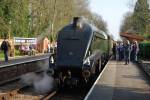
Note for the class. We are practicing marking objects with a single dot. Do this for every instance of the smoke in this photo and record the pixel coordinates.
(44, 65)
(29, 78)
(42, 83)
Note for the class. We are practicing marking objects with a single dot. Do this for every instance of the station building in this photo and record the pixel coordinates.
(132, 36)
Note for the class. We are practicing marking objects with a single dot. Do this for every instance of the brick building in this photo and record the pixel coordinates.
(42, 44)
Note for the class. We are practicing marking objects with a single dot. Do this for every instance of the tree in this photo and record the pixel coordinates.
(14, 17)
(138, 21)
(141, 16)
(126, 23)
(38, 18)
(99, 22)
(48, 16)
(82, 9)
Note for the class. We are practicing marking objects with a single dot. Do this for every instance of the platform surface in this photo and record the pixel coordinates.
(121, 82)
(23, 60)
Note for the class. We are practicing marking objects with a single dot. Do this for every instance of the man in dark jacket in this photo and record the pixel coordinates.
(114, 50)
(5, 47)
(127, 50)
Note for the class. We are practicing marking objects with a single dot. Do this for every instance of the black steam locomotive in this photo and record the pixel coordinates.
(82, 50)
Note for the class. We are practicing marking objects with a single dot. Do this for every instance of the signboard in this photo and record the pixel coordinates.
(19, 40)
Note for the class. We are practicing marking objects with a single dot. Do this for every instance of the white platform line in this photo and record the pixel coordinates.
(87, 96)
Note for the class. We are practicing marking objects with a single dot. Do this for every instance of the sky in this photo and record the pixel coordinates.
(112, 11)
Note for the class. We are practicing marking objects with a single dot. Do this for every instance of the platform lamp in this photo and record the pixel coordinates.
(9, 34)
(9, 31)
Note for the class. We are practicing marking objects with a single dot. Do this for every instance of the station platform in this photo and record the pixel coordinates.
(120, 82)
(23, 59)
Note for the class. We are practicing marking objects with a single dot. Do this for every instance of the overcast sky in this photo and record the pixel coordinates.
(112, 11)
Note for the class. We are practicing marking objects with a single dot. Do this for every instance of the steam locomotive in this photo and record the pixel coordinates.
(82, 51)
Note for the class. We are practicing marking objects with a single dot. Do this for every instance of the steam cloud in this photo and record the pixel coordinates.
(43, 82)
(43, 85)
(29, 78)
(44, 65)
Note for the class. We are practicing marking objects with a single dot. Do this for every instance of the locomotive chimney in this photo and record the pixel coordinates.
(77, 22)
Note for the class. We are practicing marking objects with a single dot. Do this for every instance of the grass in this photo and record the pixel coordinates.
(17, 54)
(1, 55)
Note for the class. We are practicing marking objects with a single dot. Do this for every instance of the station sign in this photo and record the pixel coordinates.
(19, 40)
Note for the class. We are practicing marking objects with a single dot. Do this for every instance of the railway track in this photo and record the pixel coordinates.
(16, 90)
(70, 94)
(11, 86)
(75, 93)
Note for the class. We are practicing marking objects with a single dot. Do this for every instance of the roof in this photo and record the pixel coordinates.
(132, 36)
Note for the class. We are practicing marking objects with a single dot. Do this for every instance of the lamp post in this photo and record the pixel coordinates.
(9, 32)
(9, 38)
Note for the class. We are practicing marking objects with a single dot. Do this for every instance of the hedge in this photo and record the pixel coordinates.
(144, 50)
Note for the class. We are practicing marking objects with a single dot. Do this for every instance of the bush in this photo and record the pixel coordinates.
(144, 50)
(17, 52)
(147, 36)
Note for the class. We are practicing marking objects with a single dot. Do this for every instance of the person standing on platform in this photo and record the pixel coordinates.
(135, 51)
(127, 50)
(120, 50)
(5, 47)
(114, 50)
(0, 51)
(49, 48)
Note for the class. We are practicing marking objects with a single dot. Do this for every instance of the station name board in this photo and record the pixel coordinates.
(19, 40)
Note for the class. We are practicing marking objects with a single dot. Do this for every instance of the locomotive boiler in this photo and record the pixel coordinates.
(82, 51)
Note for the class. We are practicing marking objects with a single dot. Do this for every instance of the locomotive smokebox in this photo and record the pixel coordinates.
(72, 44)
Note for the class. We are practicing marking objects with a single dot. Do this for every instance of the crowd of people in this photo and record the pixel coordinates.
(27, 49)
(51, 48)
(126, 50)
